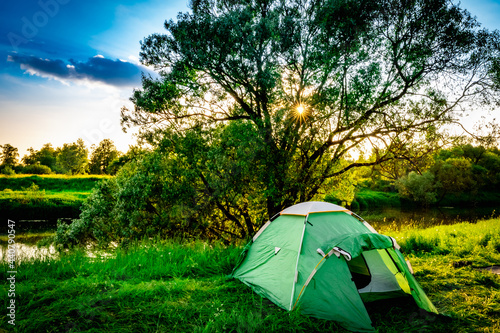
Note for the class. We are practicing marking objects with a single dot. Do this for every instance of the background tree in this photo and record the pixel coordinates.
(490, 162)
(46, 156)
(102, 156)
(72, 158)
(291, 87)
(409, 156)
(8, 158)
(36, 169)
(133, 153)
(454, 175)
(463, 174)
(31, 158)
(9, 155)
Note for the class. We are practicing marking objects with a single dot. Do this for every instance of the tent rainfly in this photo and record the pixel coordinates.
(325, 261)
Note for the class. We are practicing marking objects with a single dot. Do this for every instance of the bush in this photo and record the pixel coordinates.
(37, 169)
(368, 199)
(146, 199)
(7, 170)
(418, 188)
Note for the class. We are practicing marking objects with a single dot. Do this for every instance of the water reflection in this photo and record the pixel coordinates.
(29, 252)
(26, 252)
(424, 218)
(27, 248)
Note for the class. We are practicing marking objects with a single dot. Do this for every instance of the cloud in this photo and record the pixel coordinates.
(96, 69)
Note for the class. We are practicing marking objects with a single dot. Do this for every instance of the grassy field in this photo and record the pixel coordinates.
(166, 286)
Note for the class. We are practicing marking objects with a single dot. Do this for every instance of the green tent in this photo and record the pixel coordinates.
(325, 261)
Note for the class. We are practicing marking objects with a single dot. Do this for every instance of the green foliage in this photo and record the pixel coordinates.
(373, 200)
(96, 219)
(7, 170)
(454, 175)
(462, 175)
(102, 156)
(342, 189)
(418, 188)
(146, 198)
(37, 169)
(412, 156)
(72, 158)
(480, 165)
(8, 156)
(46, 156)
(133, 153)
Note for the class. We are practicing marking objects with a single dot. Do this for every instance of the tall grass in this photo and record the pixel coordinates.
(461, 240)
(179, 286)
(447, 259)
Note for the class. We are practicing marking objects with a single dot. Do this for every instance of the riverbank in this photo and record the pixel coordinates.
(159, 286)
(43, 198)
(54, 183)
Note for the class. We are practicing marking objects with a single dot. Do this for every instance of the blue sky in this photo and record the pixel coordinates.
(68, 66)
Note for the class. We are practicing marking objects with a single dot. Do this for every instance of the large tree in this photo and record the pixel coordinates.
(264, 99)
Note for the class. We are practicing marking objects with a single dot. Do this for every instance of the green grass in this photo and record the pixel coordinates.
(166, 286)
(51, 183)
(50, 195)
(478, 242)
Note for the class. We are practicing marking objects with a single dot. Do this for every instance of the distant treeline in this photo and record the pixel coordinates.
(70, 159)
(463, 175)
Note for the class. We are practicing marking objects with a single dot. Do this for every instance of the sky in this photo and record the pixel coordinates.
(67, 67)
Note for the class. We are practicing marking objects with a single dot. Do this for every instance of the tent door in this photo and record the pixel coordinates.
(360, 272)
